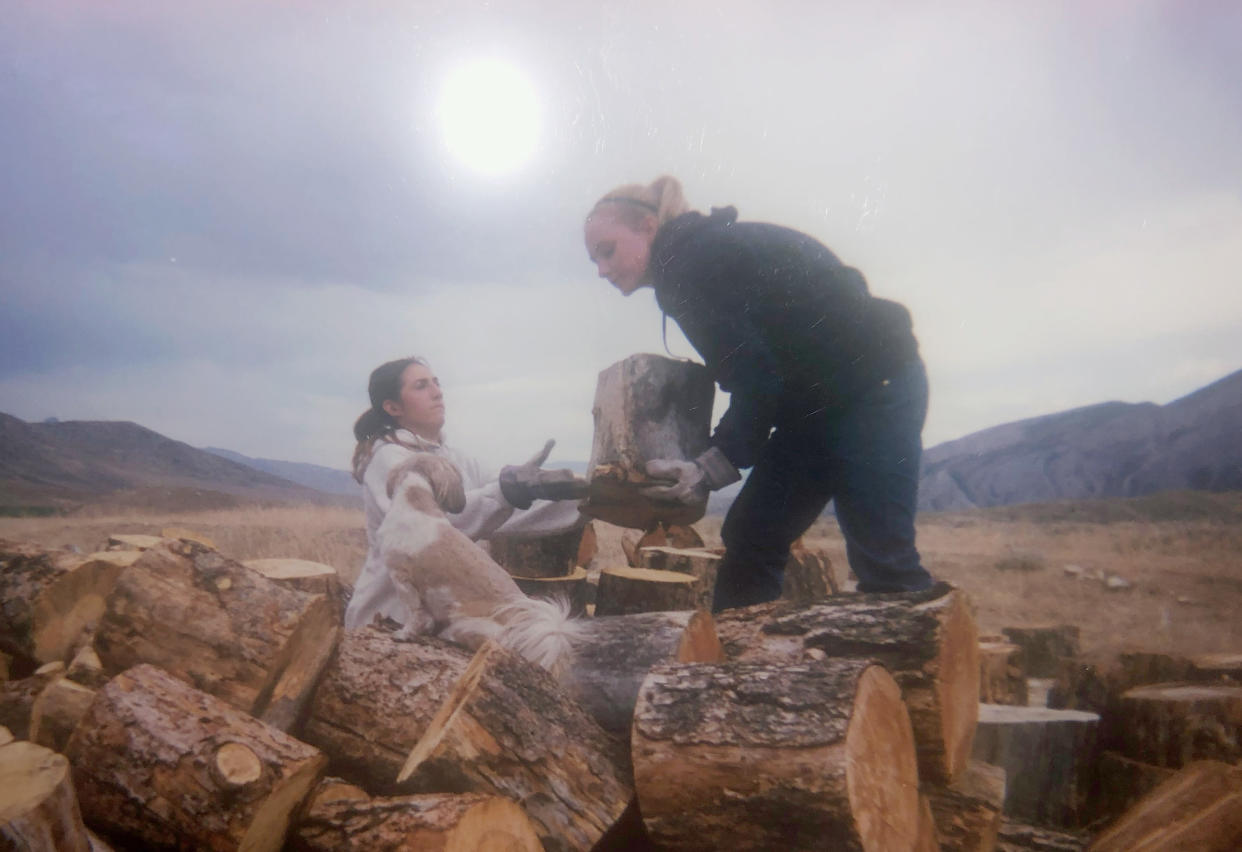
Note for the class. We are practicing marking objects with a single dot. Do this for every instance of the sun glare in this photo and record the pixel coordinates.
(489, 116)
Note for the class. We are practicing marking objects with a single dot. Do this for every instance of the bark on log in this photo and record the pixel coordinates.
(509, 730)
(554, 555)
(759, 756)
(928, 640)
(617, 652)
(1199, 808)
(344, 817)
(575, 588)
(646, 407)
(968, 813)
(38, 807)
(313, 578)
(1173, 724)
(375, 700)
(165, 766)
(1001, 678)
(624, 591)
(226, 629)
(809, 576)
(1047, 756)
(699, 563)
(47, 598)
(56, 712)
(1044, 647)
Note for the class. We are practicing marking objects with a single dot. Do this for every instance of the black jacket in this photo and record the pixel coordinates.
(787, 329)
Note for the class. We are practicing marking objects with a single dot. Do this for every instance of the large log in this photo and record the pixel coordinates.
(553, 555)
(1173, 724)
(38, 808)
(162, 765)
(646, 407)
(375, 700)
(1047, 756)
(1199, 808)
(509, 730)
(624, 591)
(968, 813)
(343, 818)
(698, 562)
(928, 640)
(226, 629)
(759, 756)
(48, 598)
(616, 653)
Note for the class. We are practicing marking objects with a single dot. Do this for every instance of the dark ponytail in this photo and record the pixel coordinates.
(375, 422)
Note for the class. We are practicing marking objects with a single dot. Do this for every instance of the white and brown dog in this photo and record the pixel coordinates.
(453, 588)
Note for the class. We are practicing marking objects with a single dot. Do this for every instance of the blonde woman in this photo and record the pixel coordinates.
(828, 392)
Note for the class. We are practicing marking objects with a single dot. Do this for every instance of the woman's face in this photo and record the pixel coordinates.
(619, 250)
(420, 407)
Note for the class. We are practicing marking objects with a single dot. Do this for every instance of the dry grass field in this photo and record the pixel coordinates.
(1181, 555)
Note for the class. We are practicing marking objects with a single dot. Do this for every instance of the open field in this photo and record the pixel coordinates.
(1180, 553)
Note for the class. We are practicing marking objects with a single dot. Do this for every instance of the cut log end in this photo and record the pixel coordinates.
(237, 765)
(38, 809)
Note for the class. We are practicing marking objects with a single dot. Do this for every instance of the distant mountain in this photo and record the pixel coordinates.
(1113, 449)
(327, 479)
(67, 462)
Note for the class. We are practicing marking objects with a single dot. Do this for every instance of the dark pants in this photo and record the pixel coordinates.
(866, 460)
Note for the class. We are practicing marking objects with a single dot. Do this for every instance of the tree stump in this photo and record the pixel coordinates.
(1172, 724)
(928, 640)
(1047, 756)
(809, 576)
(968, 813)
(47, 598)
(646, 407)
(699, 563)
(554, 555)
(344, 817)
(616, 653)
(574, 588)
(226, 629)
(1199, 808)
(1001, 678)
(38, 809)
(164, 765)
(375, 700)
(624, 591)
(57, 710)
(760, 756)
(1044, 647)
(509, 730)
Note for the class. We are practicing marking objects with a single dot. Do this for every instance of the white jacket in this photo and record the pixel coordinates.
(487, 514)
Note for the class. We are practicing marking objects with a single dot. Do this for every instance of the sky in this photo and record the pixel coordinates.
(217, 218)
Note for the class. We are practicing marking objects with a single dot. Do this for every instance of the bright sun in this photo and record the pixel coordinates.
(489, 115)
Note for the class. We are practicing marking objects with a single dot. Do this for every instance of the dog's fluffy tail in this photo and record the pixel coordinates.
(541, 630)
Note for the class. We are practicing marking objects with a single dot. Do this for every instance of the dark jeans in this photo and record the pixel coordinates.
(866, 460)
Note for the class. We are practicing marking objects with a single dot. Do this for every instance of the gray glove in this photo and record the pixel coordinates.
(690, 481)
(523, 484)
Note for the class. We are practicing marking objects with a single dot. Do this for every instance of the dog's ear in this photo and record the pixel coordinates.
(445, 479)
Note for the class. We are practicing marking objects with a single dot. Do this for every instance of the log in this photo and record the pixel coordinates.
(375, 701)
(304, 575)
(809, 576)
(87, 669)
(928, 640)
(646, 407)
(344, 817)
(968, 813)
(509, 730)
(1020, 837)
(1199, 808)
(47, 598)
(57, 710)
(159, 764)
(699, 563)
(759, 756)
(226, 629)
(1119, 784)
(623, 591)
(616, 653)
(17, 698)
(1001, 678)
(574, 588)
(553, 555)
(1173, 724)
(1044, 647)
(1224, 667)
(38, 808)
(1047, 756)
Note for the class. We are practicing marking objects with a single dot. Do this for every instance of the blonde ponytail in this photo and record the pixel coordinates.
(662, 198)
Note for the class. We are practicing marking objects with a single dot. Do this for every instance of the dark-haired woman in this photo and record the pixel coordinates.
(407, 416)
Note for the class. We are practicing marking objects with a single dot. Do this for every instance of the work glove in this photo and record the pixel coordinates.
(690, 481)
(522, 484)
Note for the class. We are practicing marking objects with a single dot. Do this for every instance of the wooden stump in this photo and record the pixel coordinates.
(809, 576)
(574, 588)
(344, 817)
(509, 730)
(646, 407)
(1047, 756)
(554, 555)
(57, 710)
(616, 653)
(1199, 808)
(968, 813)
(375, 700)
(47, 598)
(699, 563)
(1001, 678)
(1172, 724)
(928, 640)
(623, 591)
(1044, 647)
(760, 756)
(165, 766)
(226, 629)
(38, 809)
